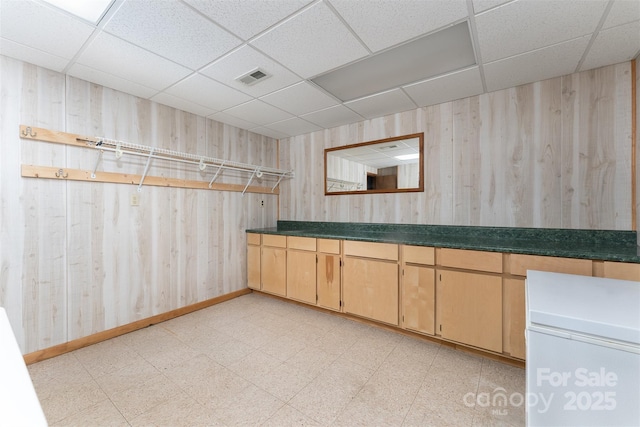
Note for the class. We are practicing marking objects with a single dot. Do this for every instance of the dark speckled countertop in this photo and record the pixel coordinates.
(607, 245)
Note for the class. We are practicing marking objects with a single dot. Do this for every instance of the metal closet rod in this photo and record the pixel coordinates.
(121, 147)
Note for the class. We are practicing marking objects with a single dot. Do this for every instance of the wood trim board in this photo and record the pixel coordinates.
(57, 350)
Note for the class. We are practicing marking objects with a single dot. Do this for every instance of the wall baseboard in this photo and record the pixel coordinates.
(57, 350)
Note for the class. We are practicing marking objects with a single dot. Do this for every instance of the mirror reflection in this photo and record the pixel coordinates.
(384, 166)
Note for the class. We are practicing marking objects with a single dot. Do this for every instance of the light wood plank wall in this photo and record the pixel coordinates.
(554, 153)
(75, 257)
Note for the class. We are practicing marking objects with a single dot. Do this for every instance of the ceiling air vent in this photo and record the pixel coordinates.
(253, 77)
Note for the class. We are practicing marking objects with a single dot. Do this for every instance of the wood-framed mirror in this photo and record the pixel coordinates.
(391, 165)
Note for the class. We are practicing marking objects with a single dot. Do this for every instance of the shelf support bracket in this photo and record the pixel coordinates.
(216, 174)
(95, 168)
(146, 169)
(249, 183)
(278, 182)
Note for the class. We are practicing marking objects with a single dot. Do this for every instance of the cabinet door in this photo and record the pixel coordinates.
(253, 267)
(301, 276)
(274, 270)
(471, 308)
(514, 318)
(418, 299)
(328, 282)
(370, 289)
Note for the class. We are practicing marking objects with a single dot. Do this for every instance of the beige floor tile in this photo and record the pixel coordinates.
(182, 411)
(282, 348)
(253, 406)
(127, 377)
(106, 357)
(334, 342)
(446, 385)
(207, 382)
(66, 367)
(283, 382)
(457, 362)
(369, 353)
(68, 398)
(137, 400)
(438, 412)
(103, 414)
(229, 352)
(311, 360)
(289, 416)
(255, 365)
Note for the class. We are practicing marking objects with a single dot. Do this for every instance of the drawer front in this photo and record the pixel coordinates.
(274, 240)
(329, 246)
(253, 239)
(622, 271)
(418, 254)
(371, 250)
(302, 243)
(471, 260)
(519, 264)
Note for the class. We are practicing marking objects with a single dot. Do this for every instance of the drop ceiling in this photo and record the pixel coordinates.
(188, 53)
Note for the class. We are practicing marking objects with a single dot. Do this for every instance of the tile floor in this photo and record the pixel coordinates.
(256, 360)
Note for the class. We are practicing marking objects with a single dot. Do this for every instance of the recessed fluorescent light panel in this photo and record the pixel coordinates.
(90, 10)
(408, 156)
(429, 56)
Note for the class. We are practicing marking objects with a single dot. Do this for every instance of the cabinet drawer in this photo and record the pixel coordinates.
(302, 243)
(274, 240)
(519, 264)
(371, 250)
(329, 246)
(471, 260)
(418, 254)
(622, 271)
(253, 239)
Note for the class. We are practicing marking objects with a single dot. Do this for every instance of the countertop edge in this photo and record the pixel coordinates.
(584, 253)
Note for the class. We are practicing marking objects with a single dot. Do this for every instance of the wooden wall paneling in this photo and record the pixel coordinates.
(44, 273)
(13, 218)
(593, 177)
(467, 185)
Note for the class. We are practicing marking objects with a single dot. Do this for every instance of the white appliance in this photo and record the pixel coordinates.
(583, 351)
(19, 405)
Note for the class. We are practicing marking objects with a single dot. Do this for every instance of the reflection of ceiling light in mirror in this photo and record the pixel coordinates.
(408, 156)
(434, 54)
(91, 10)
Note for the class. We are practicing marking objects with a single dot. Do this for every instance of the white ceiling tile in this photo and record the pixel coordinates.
(293, 127)
(459, 84)
(182, 104)
(109, 80)
(269, 132)
(622, 12)
(311, 42)
(300, 99)
(50, 31)
(247, 59)
(388, 22)
(617, 44)
(173, 30)
(246, 18)
(232, 120)
(538, 65)
(122, 59)
(32, 55)
(382, 104)
(333, 116)
(208, 93)
(482, 5)
(258, 112)
(523, 26)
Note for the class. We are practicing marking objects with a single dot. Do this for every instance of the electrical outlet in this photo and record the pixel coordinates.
(135, 200)
(262, 203)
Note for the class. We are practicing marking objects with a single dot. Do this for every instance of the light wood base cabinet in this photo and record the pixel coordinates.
(370, 289)
(253, 267)
(274, 270)
(471, 308)
(418, 299)
(514, 318)
(328, 281)
(301, 276)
